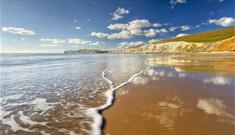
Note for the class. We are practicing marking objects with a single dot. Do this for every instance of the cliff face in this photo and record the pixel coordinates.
(182, 46)
(172, 47)
(226, 45)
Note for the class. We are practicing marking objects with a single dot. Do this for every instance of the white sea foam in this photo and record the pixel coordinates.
(109, 94)
(26, 120)
(66, 131)
(14, 125)
(40, 105)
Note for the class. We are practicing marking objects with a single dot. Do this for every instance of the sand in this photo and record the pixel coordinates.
(172, 106)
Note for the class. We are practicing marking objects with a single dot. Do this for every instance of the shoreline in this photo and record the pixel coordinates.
(97, 113)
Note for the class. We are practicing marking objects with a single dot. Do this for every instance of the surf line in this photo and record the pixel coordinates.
(95, 113)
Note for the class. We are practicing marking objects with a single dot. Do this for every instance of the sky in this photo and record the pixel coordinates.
(43, 26)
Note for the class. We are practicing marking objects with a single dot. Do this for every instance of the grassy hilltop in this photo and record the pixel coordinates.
(205, 37)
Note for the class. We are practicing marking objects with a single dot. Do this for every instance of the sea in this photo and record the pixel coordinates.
(65, 94)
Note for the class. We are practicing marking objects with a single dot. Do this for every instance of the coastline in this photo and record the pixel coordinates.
(96, 113)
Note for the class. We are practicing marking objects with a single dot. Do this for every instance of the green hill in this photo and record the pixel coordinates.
(205, 37)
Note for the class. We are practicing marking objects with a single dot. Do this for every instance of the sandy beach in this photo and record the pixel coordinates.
(170, 101)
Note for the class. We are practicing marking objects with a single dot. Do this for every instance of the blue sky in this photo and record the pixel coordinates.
(57, 25)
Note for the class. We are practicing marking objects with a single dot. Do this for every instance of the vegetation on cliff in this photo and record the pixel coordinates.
(205, 37)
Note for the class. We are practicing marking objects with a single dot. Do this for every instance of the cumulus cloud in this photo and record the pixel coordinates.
(53, 40)
(117, 26)
(129, 30)
(18, 31)
(181, 35)
(77, 28)
(77, 41)
(99, 34)
(150, 32)
(172, 29)
(175, 2)
(124, 34)
(224, 21)
(184, 27)
(130, 44)
(217, 80)
(157, 25)
(119, 13)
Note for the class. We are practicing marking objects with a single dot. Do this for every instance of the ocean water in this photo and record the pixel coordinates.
(61, 94)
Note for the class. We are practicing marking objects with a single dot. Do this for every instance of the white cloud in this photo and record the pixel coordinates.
(130, 44)
(217, 80)
(163, 30)
(175, 2)
(184, 27)
(99, 34)
(150, 32)
(119, 13)
(117, 26)
(124, 34)
(139, 23)
(77, 41)
(131, 29)
(201, 24)
(18, 31)
(77, 28)
(224, 21)
(172, 29)
(98, 43)
(157, 25)
(53, 40)
(181, 34)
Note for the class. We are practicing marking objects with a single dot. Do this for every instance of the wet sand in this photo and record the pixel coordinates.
(173, 105)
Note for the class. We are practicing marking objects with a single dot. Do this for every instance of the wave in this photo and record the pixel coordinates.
(95, 113)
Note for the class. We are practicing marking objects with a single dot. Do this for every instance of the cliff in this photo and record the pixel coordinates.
(212, 41)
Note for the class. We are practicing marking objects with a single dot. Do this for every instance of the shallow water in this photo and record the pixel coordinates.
(53, 93)
(50, 94)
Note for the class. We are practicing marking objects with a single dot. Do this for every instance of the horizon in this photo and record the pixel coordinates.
(53, 27)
